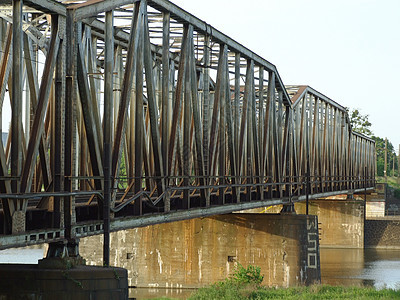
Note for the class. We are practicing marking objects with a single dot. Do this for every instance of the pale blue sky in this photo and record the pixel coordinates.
(348, 50)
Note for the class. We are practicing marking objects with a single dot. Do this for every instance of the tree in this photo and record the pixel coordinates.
(380, 157)
(359, 122)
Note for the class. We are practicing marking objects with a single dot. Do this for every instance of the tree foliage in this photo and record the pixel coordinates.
(251, 274)
(380, 157)
(359, 122)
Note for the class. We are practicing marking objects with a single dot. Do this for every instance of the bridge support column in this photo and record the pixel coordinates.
(63, 275)
(18, 221)
(341, 220)
(63, 254)
(288, 209)
(81, 282)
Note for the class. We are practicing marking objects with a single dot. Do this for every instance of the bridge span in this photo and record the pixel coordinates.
(132, 113)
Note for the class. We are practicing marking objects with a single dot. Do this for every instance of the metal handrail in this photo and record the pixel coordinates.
(50, 194)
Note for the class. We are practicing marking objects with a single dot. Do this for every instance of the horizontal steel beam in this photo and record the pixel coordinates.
(46, 6)
(93, 8)
(328, 100)
(310, 90)
(31, 238)
(120, 224)
(96, 228)
(49, 194)
(184, 17)
(363, 136)
(329, 194)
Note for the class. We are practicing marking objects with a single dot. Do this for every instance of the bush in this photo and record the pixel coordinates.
(242, 284)
(245, 283)
(251, 275)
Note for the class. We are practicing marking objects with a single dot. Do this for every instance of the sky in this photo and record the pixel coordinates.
(349, 50)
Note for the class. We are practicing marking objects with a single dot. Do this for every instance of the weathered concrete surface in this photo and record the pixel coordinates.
(376, 202)
(341, 221)
(197, 252)
(18, 221)
(383, 233)
(82, 282)
(375, 208)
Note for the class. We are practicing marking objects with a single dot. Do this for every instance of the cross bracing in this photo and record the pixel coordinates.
(131, 113)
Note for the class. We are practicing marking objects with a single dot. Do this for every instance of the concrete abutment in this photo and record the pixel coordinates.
(184, 254)
(197, 252)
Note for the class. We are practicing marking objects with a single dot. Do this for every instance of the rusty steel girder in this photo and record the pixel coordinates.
(131, 113)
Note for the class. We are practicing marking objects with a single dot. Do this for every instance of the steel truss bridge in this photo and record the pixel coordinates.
(129, 113)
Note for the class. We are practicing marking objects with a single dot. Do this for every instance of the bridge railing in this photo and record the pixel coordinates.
(326, 144)
(158, 111)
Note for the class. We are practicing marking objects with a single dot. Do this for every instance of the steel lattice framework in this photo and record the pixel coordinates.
(130, 113)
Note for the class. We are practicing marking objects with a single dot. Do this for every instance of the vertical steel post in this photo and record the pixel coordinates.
(206, 112)
(69, 95)
(139, 122)
(107, 140)
(236, 128)
(222, 123)
(16, 95)
(165, 91)
(165, 103)
(58, 131)
(249, 119)
(186, 122)
(260, 128)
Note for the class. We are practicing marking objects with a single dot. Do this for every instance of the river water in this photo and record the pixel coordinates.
(359, 267)
(348, 267)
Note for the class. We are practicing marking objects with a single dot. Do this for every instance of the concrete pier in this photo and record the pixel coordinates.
(197, 252)
(340, 220)
(78, 283)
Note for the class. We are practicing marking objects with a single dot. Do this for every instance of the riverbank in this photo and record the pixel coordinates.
(232, 292)
(246, 283)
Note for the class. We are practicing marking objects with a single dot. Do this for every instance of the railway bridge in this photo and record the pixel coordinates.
(128, 113)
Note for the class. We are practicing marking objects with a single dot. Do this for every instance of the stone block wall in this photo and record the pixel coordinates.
(382, 233)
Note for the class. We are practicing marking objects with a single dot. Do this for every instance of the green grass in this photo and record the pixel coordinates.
(392, 183)
(391, 180)
(245, 283)
(248, 291)
(316, 292)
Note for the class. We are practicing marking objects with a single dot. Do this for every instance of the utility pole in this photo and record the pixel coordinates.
(398, 167)
(376, 163)
(385, 167)
(394, 158)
